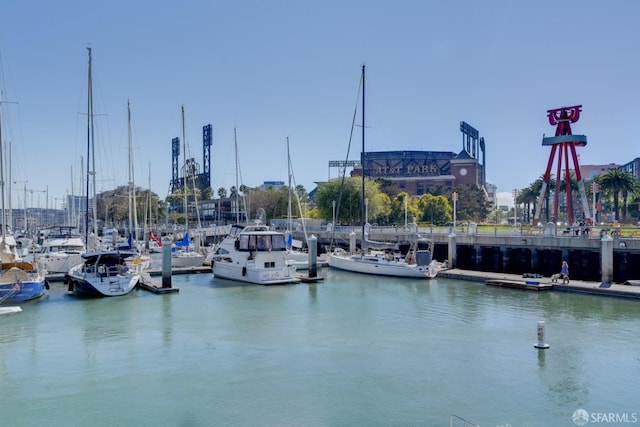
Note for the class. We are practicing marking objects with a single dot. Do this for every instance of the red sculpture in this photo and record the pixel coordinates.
(561, 144)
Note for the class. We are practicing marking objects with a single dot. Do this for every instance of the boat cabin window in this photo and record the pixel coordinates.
(262, 242)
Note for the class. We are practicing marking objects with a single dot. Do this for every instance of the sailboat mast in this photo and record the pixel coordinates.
(362, 207)
(184, 149)
(4, 225)
(89, 140)
(130, 170)
(235, 143)
(290, 228)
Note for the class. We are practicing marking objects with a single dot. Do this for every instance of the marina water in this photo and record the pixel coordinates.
(349, 350)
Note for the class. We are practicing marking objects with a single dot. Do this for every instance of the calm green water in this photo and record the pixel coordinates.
(352, 350)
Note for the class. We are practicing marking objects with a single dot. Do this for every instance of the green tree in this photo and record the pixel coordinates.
(615, 182)
(473, 204)
(436, 210)
(347, 194)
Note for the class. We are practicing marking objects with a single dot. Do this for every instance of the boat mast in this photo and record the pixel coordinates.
(133, 213)
(289, 225)
(235, 143)
(91, 158)
(184, 149)
(4, 225)
(362, 207)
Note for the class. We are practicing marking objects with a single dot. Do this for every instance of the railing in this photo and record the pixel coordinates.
(458, 419)
(9, 293)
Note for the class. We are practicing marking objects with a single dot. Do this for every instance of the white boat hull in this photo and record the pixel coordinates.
(380, 266)
(9, 310)
(189, 259)
(250, 274)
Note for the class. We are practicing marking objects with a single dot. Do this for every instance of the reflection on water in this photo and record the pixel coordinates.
(348, 350)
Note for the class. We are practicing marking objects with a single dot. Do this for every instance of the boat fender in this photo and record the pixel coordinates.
(70, 288)
(244, 271)
(46, 285)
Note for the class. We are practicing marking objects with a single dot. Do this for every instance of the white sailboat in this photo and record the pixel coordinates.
(296, 252)
(183, 255)
(102, 272)
(416, 263)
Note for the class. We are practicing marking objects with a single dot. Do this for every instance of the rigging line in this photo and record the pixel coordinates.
(344, 168)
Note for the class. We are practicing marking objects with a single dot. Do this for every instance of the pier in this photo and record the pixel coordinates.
(628, 289)
(526, 249)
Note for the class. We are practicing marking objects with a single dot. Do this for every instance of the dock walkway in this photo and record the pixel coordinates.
(606, 289)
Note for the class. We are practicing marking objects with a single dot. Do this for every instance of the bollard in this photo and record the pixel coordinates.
(166, 264)
(312, 244)
(541, 344)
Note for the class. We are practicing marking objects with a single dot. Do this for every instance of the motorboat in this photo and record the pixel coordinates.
(61, 249)
(254, 254)
(102, 274)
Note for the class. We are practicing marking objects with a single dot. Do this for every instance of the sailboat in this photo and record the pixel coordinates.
(19, 280)
(296, 253)
(103, 273)
(138, 261)
(416, 263)
(183, 256)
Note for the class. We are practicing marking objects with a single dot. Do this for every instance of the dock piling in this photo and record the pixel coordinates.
(166, 264)
(312, 244)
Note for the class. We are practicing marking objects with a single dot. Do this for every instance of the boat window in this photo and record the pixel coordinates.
(247, 243)
(264, 243)
(279, 243)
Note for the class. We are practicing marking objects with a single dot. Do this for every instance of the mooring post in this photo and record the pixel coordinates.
(606, 258)
(166, 263)
(452, 250)
(312, 244)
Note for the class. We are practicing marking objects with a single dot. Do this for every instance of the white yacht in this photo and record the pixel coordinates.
(61, 249)
(254, 254)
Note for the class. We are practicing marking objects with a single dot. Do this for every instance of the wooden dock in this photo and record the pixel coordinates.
(528, 285)
(152, 285)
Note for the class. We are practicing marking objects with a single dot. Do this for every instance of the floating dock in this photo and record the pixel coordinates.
(152, 285)
(528, 285)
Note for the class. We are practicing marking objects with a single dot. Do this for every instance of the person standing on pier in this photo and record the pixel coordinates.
(564, 272)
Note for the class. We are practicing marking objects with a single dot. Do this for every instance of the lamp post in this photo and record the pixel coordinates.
(366, 210)
(454, 197)
(516, 192)
(594, 189)
(333, 204)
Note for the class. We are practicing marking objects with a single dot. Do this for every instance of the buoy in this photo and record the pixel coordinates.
(541, 344)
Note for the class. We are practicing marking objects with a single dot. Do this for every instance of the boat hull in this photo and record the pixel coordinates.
(250, 274)
(381, 267)
(187, 260)
(24, 291)
(103, 274)
(94, 286)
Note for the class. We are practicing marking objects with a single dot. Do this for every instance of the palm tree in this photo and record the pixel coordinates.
(528, 196)
(615, 182)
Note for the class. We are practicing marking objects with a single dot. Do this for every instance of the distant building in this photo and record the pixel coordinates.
(589, 172)
(633, 167)
(272, 184)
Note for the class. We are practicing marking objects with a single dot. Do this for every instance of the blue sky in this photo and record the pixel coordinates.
(278, 69)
